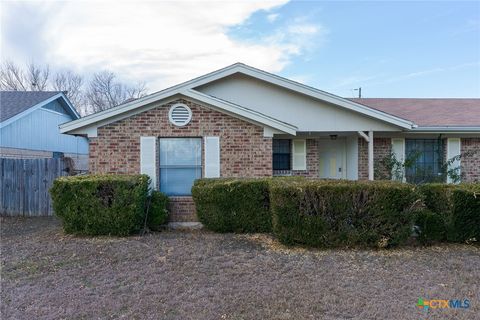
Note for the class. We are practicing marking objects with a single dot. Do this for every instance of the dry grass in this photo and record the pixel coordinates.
(201, 275)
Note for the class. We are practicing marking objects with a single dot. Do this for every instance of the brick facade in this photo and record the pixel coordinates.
(470, 163)
(382, 147)
(244, 151)
(182, 209)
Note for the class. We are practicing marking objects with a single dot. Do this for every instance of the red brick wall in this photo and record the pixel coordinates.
(381, 149)
(182, 209)
(244, 151)
(470, 163)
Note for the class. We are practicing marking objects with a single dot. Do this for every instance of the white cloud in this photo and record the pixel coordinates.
(161, 43)
(272, 17)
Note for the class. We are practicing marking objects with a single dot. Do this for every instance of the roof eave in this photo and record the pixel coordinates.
(449, 129)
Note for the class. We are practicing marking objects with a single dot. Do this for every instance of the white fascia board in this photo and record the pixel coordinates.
(79, 127)
(33, 108)
(328, 97)
(306, 90)
(448, 129)
(246, 113)
(93, 118)
(238, 68)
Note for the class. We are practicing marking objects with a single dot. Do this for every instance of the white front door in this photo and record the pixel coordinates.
(332, 159)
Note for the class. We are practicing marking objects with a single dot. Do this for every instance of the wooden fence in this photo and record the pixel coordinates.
(24, 185)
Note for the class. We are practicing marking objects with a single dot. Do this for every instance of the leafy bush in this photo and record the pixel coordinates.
(235, 204)
(435, 224)
(157, 210)
(100, 204)
(343, 213)
(454, 205)
(466, 213)
(431, 226)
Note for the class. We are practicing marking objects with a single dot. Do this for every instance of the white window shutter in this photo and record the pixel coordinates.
(453, 150)
(398, 149)
(148, 156)
(212, 157)
(299, 154)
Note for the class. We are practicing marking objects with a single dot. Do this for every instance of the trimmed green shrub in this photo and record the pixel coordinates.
(100, 204)
(343, 213)
(437, 198)
(431, 226)
(235, 204)
(466, 213)
(157, 210)
(456, 205)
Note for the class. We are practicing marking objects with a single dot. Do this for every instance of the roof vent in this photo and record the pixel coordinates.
(180, 114)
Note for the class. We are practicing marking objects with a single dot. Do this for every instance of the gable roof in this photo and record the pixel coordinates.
(188, 89)
(429, 112)
(15, 104)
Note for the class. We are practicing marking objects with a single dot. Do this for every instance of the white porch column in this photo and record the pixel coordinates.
(369, 139)
(370, 155)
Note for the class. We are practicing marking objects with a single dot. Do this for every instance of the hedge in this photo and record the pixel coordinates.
(323, 213)
(235, 204)
(157, 210)
(101, 204)
(452, 212)
(466, 213)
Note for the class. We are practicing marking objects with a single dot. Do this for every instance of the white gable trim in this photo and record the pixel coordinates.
(306, 90)
(235, 68)
(89, 126)
(38, 106)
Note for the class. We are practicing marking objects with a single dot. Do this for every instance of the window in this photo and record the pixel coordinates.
(180, 165)
(427, 158)
(281, 154)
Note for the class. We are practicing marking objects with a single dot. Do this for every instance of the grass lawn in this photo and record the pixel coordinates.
(200, 275)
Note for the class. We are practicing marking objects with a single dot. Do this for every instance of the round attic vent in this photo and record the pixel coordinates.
(180, 114)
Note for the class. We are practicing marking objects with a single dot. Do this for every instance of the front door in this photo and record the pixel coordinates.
(332, 159)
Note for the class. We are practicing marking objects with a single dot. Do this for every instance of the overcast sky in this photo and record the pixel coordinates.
(390, 49)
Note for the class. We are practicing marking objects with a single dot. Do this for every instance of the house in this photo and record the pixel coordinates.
(29, 123)
(241, 121)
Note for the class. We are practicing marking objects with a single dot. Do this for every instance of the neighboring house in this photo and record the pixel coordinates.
(240, 121)
(29, 123)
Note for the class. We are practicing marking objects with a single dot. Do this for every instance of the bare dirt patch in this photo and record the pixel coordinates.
(200, 275)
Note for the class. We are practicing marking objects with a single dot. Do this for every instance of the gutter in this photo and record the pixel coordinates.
(450, 129)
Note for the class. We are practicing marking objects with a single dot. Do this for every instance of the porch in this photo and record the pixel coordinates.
(326, 155)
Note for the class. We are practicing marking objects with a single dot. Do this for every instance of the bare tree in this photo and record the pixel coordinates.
(72, 85)
(33, 78)
(105, 92)
(37, 77)
(12, 77)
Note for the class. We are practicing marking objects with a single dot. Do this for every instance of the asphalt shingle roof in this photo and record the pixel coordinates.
(429, 112)
(15, 102)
